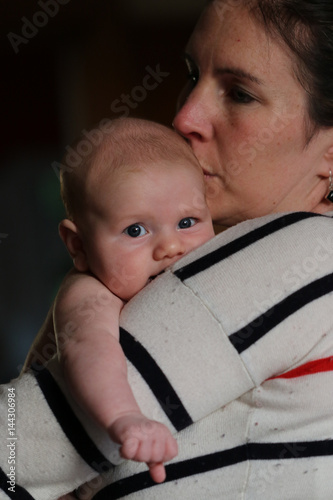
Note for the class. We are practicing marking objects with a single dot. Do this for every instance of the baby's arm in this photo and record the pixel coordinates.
(86, 319)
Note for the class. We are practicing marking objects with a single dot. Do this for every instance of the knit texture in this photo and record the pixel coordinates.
(232, 349)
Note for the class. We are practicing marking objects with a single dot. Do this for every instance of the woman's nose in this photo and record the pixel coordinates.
(169, 247)
(194, 118)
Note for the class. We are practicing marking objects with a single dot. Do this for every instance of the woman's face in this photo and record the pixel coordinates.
(245, 118)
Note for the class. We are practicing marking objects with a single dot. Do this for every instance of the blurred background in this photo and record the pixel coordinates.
(66, 65)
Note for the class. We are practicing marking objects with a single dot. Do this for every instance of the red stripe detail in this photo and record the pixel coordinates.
(310, 368)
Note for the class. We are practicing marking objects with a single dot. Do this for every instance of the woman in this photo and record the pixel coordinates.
(251, 310)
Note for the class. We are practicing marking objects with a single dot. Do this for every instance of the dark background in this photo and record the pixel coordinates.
(65, 63)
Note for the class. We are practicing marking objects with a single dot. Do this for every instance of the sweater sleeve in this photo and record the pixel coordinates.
(45, 452)
(230, 315)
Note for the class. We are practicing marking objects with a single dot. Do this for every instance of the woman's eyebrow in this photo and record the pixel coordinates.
(239, 73)
(228, 70)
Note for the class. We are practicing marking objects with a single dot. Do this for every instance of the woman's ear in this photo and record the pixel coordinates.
(69, 234)
(329, 154)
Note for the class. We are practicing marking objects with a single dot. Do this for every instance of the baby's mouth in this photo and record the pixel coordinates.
(208, 175)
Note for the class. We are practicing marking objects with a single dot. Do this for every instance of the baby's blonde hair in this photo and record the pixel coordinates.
(117, 144)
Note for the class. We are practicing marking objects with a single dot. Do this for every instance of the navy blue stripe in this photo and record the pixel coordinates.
(156, 379)
(70, 424)
(208, 260)
(19, 493)
(261, 325)
(226, 458)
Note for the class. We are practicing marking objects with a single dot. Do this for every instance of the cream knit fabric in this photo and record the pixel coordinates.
(232, 349)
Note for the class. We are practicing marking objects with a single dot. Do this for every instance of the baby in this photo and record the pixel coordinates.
(135, 205)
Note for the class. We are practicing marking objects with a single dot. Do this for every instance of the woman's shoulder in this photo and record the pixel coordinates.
(270, 231)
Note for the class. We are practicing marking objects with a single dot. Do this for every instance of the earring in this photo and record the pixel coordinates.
(329, 197)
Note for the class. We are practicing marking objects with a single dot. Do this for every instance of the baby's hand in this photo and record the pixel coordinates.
(144, 440)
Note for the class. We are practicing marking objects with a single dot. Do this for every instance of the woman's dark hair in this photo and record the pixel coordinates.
(306, 27)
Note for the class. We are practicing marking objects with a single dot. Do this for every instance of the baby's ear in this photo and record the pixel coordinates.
(70, 236)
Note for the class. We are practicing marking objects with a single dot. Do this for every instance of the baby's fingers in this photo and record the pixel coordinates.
(171, 448)
(157, 472)
(130, 448)
(158, 449)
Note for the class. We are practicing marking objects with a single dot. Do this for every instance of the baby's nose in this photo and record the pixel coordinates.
(169, 247)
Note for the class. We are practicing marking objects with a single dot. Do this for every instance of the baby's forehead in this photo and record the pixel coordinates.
(158, 167)
(141, 139)
(138, 150)
(144, 177)
(108, 164)
(132, 190)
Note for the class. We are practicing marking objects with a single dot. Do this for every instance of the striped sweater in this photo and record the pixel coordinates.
(232, 349)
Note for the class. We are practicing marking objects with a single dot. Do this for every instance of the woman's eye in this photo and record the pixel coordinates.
(240, 96)
(193, 78)
(135, 230)
(186, 223)
(192, 72)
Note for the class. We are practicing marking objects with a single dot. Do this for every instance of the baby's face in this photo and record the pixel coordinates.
(148, 220)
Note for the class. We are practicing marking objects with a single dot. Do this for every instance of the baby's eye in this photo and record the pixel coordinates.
(135, 230)
(240, 96)
(187, 222)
